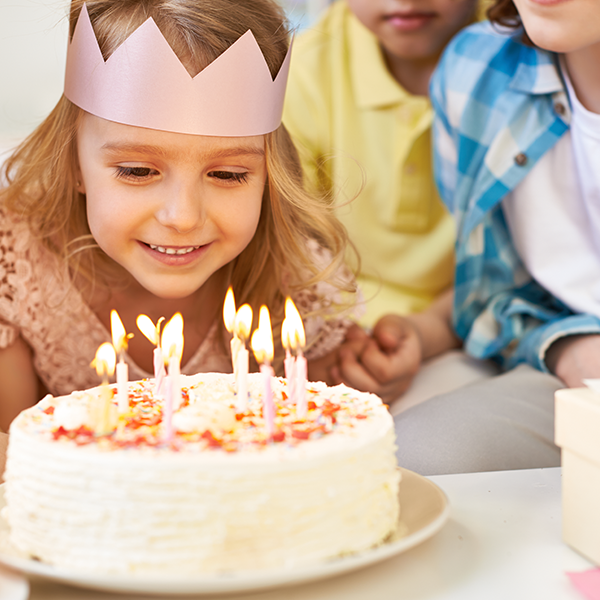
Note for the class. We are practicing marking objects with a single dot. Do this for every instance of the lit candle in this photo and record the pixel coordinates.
(289, 362)
(119, 340)
(104, 363)
(242, 326)
(262, 346)
(297, 342)
(229, 315)
(172, 346)
(152, 332)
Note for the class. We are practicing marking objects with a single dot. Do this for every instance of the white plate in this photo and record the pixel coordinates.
(424, 510)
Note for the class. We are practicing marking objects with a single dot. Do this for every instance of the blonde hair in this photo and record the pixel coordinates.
(42, 173)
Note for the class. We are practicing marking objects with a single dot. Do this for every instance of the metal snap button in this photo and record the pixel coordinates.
(521, 159)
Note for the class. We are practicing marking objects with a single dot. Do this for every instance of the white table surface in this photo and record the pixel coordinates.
(503, 541)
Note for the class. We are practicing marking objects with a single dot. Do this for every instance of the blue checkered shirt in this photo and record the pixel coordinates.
(499, 106)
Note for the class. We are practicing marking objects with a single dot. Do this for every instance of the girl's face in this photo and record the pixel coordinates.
(172, 209)
(561, 25)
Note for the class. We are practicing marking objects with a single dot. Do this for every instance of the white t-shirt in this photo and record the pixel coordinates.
(554, 214)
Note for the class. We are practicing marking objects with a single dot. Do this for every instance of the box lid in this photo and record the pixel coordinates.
(577, 421)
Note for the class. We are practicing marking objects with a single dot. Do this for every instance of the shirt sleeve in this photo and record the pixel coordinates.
(15, 271)
(520, 325)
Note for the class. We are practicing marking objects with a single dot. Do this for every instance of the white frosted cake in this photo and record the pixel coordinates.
(219, 496)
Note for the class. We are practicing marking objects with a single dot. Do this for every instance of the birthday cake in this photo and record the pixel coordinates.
(221, 494)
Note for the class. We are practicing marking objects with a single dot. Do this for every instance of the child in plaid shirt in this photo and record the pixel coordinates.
(517, 160)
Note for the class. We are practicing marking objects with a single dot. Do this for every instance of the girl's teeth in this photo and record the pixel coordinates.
(174, 250)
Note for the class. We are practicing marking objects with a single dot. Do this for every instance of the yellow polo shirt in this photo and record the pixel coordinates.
(362, 137)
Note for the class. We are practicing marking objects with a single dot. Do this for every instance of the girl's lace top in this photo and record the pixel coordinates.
(39, 302)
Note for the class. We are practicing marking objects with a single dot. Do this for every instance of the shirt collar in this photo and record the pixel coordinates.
(537, 72)
(373, 84)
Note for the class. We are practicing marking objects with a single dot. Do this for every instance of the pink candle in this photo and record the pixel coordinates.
(296, 340)
(152, 333)
(300, 387)
(289, 364)
(119, 340)
(172, 346)
(268, 404)
(241, 372)
(167, 417)
(159, 373)
(262, 345)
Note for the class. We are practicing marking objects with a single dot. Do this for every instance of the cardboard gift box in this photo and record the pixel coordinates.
(577, 432)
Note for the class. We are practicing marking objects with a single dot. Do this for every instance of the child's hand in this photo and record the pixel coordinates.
(384, 363)
(574, 358)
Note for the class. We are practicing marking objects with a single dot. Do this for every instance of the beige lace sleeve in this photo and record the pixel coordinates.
(330, 311)
(14, 269)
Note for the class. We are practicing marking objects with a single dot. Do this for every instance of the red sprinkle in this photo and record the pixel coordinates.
(279, 436)
(213, 442)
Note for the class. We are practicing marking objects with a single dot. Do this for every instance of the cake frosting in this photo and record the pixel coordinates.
(218, 496)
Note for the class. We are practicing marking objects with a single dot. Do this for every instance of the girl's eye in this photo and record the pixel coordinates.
(135, 173)
(230, 176)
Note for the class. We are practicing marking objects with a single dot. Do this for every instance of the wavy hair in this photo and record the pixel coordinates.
(505, 14)
(42, 172)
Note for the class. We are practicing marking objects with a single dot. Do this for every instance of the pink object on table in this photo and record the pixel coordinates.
(587, 582)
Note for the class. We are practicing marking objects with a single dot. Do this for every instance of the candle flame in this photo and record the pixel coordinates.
(149, 329)
(172, 338)
(229, 313)
(243, 322)
(105, 360)
(294, 327)
(119, 335)
(262, 338)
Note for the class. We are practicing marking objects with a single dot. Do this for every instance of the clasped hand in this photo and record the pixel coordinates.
(384, 362)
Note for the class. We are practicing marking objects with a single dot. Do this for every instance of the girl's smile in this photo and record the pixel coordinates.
(175, 255)
(172, 209)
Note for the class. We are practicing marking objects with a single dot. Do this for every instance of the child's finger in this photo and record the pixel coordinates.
(355, 375)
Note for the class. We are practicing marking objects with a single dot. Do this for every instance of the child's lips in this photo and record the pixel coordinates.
(175, 255)
(409, 21)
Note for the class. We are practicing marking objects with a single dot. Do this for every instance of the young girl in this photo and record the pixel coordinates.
(149, 193)
(517, 154)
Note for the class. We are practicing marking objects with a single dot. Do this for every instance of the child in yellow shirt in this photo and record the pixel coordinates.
(358, 111)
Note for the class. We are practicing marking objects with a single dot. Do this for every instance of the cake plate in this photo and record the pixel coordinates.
(423, 511)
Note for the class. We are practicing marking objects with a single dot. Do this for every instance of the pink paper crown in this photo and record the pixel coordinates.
(144, 84)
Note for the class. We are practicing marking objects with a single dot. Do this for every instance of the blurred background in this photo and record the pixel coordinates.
(33, 37)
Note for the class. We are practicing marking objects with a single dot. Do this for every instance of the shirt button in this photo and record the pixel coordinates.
(410, 168)
(559, 108)
(521, 159)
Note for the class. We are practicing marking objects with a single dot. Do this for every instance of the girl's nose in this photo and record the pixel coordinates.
(182, 208)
